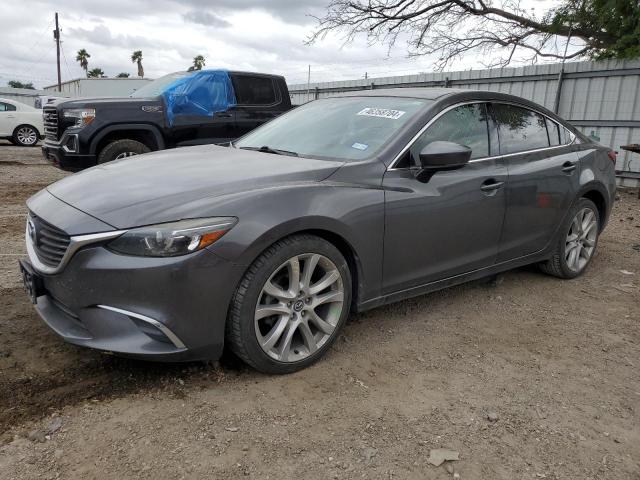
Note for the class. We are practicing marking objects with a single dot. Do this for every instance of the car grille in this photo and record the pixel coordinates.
(50, 243)
(50, 119)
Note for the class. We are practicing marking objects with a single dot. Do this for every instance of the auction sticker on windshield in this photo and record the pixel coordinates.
(381, 112)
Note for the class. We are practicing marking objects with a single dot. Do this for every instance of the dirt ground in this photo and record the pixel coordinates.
(525, 377)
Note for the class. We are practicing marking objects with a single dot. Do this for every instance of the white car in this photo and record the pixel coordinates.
(21, 124)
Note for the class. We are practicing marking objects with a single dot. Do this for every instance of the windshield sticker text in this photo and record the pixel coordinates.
(381, 112)
(360, 146)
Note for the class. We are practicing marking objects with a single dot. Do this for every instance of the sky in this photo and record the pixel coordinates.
(254, 35)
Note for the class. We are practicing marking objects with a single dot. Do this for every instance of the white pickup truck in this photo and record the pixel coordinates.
(20, 123)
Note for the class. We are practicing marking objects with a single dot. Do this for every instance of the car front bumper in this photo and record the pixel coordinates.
(165, 309)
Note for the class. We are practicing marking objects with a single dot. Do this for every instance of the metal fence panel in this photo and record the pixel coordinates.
(601, 99)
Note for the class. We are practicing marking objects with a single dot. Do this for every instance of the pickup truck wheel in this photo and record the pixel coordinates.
(119, 149)
(25, 136)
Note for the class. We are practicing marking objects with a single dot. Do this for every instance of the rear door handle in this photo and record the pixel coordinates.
(491, 185)
(568, 167)
(223, 115)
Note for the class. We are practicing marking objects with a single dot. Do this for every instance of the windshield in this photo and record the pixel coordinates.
(158, 86)
(347, 128)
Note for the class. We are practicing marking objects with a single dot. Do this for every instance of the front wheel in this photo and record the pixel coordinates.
(577, 243)
(290, 305)
(25, 136)
(119, 149)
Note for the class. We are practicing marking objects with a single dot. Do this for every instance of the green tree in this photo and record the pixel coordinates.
(17, 84)
(123, 75)
(83, 58)
(198, 63)
(136, 57)
(501, 30)
(95, 73)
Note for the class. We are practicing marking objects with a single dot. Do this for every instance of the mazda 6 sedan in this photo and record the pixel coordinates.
(341, 205)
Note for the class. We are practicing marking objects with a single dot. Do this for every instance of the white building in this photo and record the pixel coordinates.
(25, 95)
(98, 87)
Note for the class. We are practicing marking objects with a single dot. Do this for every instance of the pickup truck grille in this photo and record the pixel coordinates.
(49, 242)
(50, 119)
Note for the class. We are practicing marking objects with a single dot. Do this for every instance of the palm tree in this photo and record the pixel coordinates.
(136, 57)
(83, 58)
(198, 63)
(95, 73)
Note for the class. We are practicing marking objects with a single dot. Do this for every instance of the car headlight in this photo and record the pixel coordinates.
(172, 239)
(81, 116)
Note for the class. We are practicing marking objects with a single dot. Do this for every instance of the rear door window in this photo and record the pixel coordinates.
(7, 107)
(465, 125)
(254, 90)
(554, 133)
(520, 129)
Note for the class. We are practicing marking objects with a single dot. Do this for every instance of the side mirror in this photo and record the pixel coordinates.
(444, 156)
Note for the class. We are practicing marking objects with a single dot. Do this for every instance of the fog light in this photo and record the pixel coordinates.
(71, 145)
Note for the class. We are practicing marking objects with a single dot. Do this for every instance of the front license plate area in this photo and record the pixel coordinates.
(32, 281)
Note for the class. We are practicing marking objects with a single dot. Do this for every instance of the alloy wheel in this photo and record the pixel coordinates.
(27, 136)
(581, 239)
(299, 307)
(125, 155)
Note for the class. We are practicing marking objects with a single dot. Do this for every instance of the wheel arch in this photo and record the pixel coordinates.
(15, 130)
(597, 194)
(324, 230)
(146, 134)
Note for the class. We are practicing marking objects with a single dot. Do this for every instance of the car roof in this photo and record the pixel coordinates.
(426, 93)
(447, 95)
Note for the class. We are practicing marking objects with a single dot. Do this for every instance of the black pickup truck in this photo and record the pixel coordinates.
(183, 108)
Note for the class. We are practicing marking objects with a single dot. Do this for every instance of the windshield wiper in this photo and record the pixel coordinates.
(267, 149)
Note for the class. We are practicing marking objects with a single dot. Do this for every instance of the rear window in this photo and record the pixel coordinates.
(520, 129)
(253, 90)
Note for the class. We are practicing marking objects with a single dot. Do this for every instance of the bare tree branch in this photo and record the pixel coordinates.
(448, 29)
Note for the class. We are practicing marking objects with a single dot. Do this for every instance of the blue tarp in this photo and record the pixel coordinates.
(204, 92)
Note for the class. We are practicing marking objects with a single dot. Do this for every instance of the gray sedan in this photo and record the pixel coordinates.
(340, 205)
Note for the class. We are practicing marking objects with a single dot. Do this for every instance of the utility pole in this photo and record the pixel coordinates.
(308, 82)
(556, 103)
(56, 36)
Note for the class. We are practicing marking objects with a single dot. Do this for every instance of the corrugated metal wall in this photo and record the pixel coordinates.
(100, 87)
(601, 99)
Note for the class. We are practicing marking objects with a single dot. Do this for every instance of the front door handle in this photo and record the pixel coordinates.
(568, 167)
(491, 185)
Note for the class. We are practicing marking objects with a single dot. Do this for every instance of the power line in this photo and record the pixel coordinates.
(65, 61)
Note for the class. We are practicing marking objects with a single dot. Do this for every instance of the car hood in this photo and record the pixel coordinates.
(151, 188)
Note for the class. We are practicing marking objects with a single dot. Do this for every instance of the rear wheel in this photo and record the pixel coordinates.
(577, 243)
(119, 149)
(290, 305)
(25, 136)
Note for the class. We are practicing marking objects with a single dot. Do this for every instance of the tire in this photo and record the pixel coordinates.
(121, 149)
(313, 318)
(25, 136)
(564, 263)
